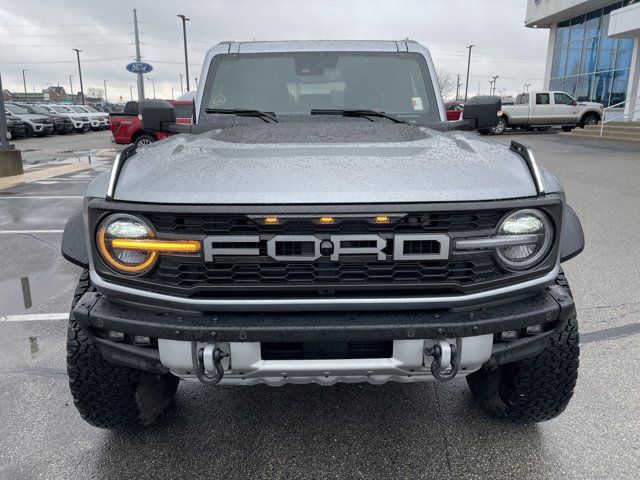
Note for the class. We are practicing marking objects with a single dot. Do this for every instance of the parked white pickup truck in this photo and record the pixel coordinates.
(542, 110)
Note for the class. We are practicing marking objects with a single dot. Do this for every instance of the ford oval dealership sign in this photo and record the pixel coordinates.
(139, 67)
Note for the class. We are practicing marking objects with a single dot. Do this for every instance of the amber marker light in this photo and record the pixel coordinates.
(153, 245)
(382, 219)
(327, 220)
(271, 220)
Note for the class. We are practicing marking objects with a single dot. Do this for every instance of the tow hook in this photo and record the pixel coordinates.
(445, 357)
(216, 355)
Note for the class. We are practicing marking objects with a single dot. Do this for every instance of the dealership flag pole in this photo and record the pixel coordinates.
(137, 40)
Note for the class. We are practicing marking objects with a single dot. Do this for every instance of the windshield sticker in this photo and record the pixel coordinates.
(219, 100)
(417, 103)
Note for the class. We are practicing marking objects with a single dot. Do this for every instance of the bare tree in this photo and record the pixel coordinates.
(94, 92)
(447, 83)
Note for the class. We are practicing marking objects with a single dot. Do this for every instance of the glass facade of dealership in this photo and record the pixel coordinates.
(588, 64)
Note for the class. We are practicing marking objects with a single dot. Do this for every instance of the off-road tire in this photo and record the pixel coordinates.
(500, 128)
(28, 131)
(535, 389)
(108, 395)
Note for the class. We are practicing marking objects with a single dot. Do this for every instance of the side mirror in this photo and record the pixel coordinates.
(574, 103)
(156, 115)
(482, 112)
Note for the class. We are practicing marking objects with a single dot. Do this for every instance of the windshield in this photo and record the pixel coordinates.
(295, 83)
(77, 109)
(61, 109)
(16, 110)
(37, 109)
(87, 108)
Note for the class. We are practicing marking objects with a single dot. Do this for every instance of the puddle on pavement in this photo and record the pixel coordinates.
(21, 295)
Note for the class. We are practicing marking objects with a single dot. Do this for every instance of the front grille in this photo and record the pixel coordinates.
(234, 275)
(412, 223)
(324, 273)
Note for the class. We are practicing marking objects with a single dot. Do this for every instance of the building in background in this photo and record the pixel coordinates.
(594, 48)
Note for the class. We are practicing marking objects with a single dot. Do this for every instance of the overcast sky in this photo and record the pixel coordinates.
(39, 36)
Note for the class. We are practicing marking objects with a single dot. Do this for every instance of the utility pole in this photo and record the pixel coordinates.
(458, 85)
(137, 40)
(24, 81)
(106, 101)
(71, 84)
(466, 90)
(80, 73)
(181, 89)
(186, 58)
(495, 77)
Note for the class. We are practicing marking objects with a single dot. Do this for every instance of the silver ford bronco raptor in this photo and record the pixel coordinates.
(322, 222)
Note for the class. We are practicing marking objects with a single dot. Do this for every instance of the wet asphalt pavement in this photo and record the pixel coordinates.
(346, 431)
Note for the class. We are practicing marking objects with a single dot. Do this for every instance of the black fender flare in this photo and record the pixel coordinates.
(572, 235)
(74, 240)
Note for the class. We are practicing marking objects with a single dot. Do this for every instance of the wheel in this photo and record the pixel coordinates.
(567, 129)
(589, 119)
(109, 395)
(535, 389)
(144, 140)
(28, 130)
(500, 128)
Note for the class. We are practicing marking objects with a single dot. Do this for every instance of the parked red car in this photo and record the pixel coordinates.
(126, 127)
(453, 110)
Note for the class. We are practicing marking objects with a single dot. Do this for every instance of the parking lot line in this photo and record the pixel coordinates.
(30, 231)
(34, 317)
(44, 197)
(42, 173)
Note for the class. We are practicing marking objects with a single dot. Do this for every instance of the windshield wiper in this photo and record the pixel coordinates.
(358, 113)
(241, 112)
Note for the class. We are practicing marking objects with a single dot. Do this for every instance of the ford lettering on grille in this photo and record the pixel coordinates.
(286, 248)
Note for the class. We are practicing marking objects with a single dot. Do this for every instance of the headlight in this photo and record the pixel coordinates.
(527, 236)
(128, 245)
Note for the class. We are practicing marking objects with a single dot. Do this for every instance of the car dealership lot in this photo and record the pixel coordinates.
(348, 431)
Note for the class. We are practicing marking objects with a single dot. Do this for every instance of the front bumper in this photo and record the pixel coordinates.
(62, 127)
(243, 332)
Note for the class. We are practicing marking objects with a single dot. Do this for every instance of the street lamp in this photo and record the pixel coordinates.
(24, 81)
(466, 90)
(106, 101)
(181, 89)
(79, 73)
(153, 82)
(131, 92)
(526, 87)
(495, 77)
(186, 59)
(71, 84)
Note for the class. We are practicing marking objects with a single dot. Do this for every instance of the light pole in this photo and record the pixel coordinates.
(466, 90)
(526, 87)
(181, 89)
(24, 81)
(172, 93)
(79, 73)
(153, 82)
(495, 77)
(186, 58)
(106, 101)
(131, 92)
(71, 84)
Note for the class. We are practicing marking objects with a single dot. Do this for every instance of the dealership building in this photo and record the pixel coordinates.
(594, 49)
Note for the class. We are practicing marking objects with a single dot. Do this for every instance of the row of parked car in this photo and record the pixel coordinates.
(30, 120)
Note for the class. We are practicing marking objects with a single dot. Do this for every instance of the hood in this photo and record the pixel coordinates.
(337, 162)
(31, 116)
